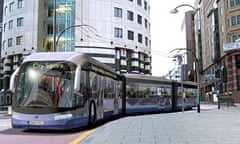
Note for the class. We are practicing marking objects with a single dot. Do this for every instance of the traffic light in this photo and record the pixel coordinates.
(224, 75)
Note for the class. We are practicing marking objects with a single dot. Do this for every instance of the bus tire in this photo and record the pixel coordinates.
(92, 113)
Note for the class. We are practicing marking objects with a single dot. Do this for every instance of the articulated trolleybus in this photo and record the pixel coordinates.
(64, 90)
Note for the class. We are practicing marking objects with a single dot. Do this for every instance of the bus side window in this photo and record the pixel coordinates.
(81, 95)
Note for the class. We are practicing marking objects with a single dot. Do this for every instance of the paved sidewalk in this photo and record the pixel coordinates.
(211, 126)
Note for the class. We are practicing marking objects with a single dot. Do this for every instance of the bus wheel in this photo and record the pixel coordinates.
(92, 113)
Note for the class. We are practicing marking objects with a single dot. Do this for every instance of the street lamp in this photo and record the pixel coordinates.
(197, 59)
(175, 10)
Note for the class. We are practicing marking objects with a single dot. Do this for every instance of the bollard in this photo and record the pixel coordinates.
(9, 110)
(218, 101)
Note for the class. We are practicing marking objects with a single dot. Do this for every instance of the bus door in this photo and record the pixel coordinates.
(95, 84)
(117, 97)
(101, 96)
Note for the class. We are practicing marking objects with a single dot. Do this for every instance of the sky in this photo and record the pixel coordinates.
(166, 33)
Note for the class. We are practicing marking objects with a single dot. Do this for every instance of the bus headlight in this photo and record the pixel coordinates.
(63, 116)
(16, 117)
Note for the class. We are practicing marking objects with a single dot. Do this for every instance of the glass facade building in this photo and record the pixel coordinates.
(65, 17)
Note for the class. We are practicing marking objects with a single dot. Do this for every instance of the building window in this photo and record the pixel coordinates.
(146, 41)
(130, 35)
(19, 40)
(19, 21)
(139, 19)
(10, 42)
(231, 3)
(130, 0)
(237, 2)
(146, 23)
(50, 29)
(221, 11)
(10, 24)
(118, 12)
(4, 27)
(5, 10)
(117, 54)
(238, 61)
(238, 82)
(140, 38)
(238, 19)
(139, 2)
(50, 12)
(123, 52)
(234, 38)
(233, 20)
(11, 6)
(130, 15)
(145, 5)
(118, 32)
(20, 3)
(4, 44)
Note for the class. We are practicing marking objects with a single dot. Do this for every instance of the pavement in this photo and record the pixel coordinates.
(210, 126)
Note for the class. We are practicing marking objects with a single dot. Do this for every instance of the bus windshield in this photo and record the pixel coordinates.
(45, 84)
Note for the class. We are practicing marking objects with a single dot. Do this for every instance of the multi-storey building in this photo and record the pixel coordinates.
(190, 45)
(115, 32)
(120, 35)
(231, 46)
(210, 47)
(220, 47)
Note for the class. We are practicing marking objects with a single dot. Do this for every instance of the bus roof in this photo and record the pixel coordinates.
(142, 77)
(74, 57)
(52, 56)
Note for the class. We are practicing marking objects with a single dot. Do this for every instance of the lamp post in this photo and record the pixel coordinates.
(197, 59)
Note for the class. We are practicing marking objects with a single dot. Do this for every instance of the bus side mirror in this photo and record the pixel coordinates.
(13, 80)
(77, 78)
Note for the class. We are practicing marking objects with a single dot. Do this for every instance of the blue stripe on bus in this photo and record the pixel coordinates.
(54, 125)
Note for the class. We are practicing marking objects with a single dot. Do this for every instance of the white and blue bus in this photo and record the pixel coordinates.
(64, 90)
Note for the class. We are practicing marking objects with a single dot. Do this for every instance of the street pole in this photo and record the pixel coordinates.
(196, 10)
(54, 24)
(182, 78)
(198, 85)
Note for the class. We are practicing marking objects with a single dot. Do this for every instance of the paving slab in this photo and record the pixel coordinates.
(210, 126)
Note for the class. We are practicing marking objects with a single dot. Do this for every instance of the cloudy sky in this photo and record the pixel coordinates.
(166, 33)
